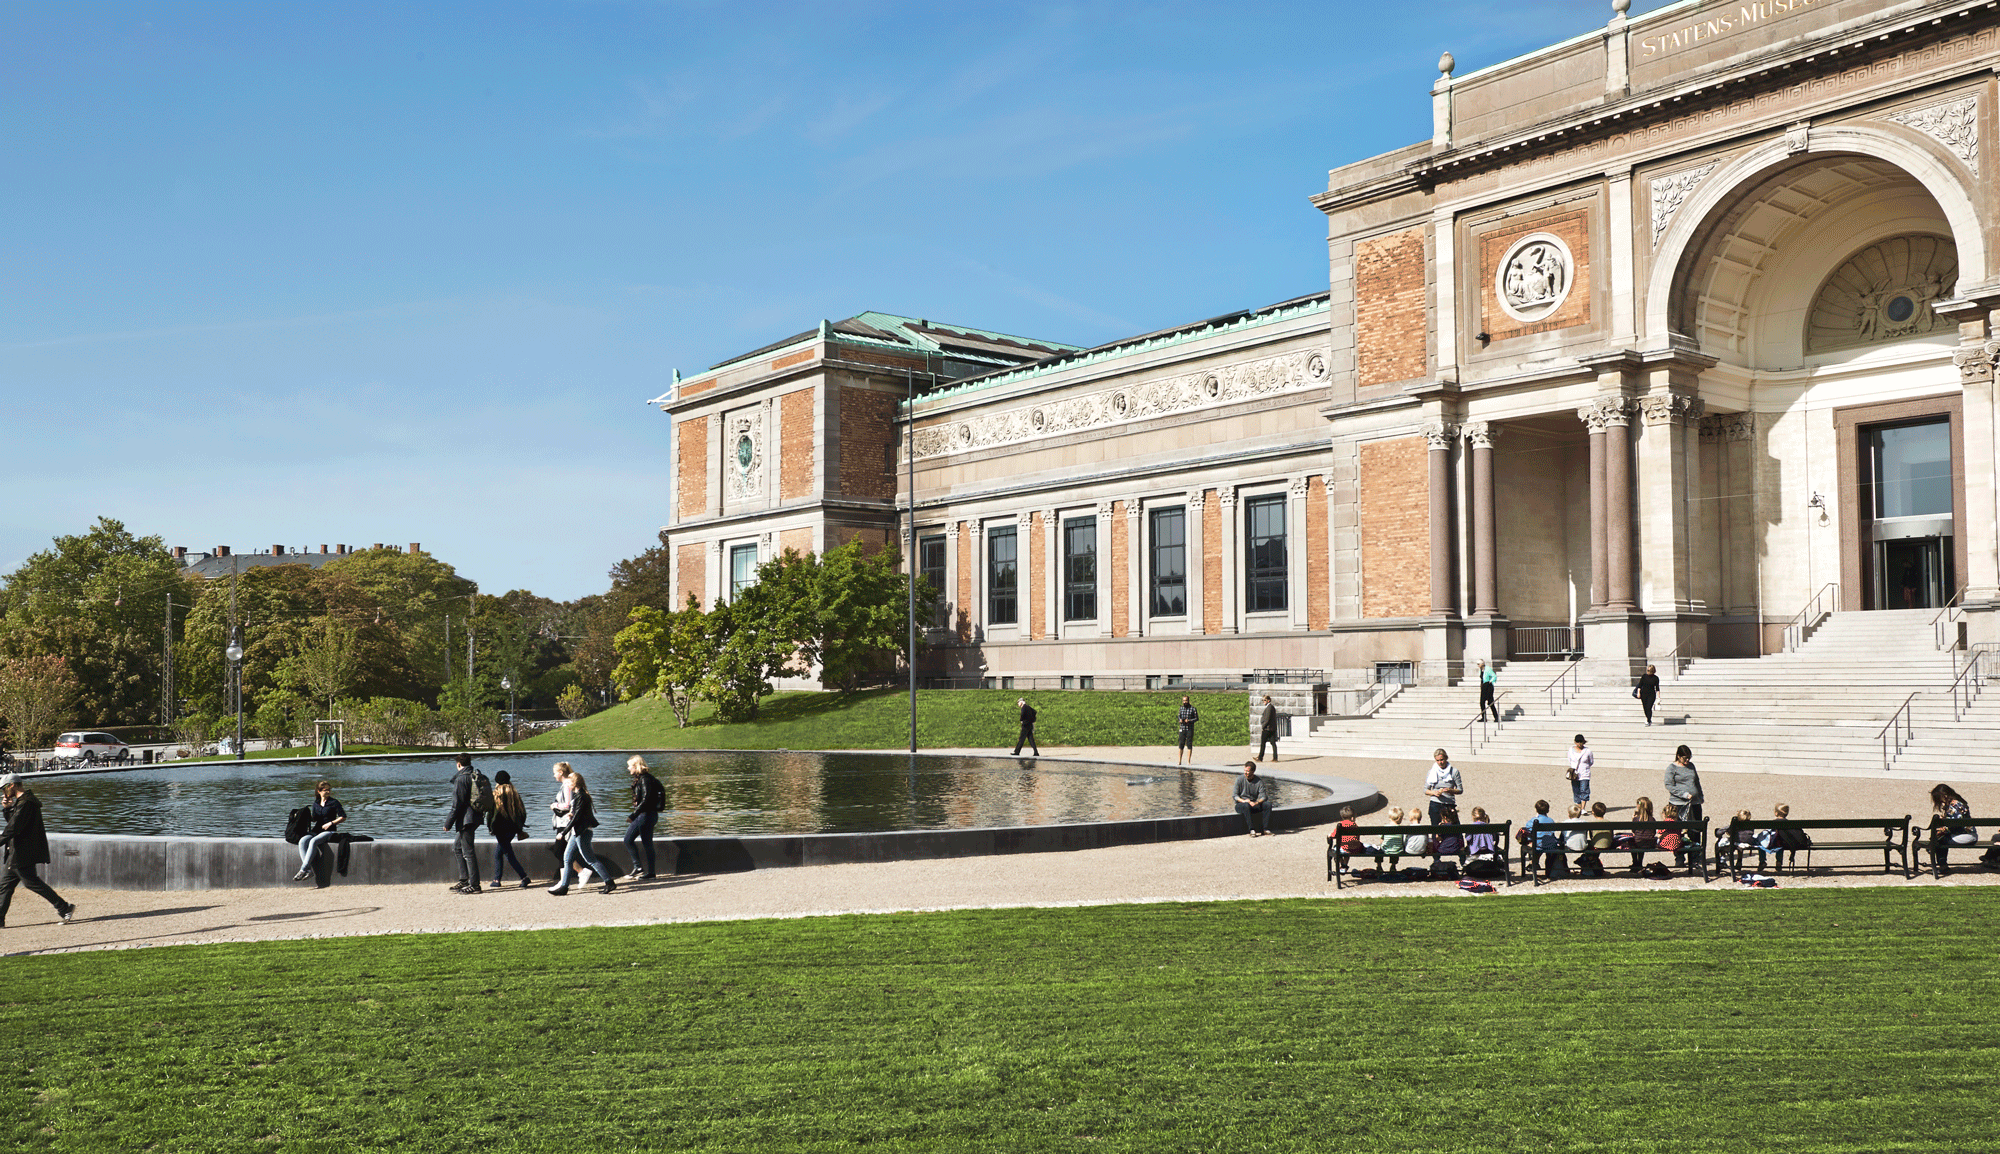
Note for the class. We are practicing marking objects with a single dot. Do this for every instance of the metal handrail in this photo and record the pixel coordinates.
(1972, 685)
(1673, 660)
(1903, 728)
(1567, 675)
(1795, 629)
(1945, 618)
(1486, 727)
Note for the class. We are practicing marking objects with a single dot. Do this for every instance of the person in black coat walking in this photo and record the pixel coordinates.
(649, 797)
(465, 820)
(1027, 737)
(1648, 691)
(27, 846)
(1268, 730)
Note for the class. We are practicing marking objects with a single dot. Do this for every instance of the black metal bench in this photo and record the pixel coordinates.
(1694, 836)
(1893, 837)
(1927, 840)
(1337, 859)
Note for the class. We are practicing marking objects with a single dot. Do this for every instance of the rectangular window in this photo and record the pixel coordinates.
(1264, 532)
(1080, 569)
(1913, 470)
(930, 566)
(1169, 540)
(1000, 574)
(742, 569)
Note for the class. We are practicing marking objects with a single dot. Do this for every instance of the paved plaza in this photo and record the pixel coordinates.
(1291, 865)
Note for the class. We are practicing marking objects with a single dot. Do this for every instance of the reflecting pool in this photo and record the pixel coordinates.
(708, 794)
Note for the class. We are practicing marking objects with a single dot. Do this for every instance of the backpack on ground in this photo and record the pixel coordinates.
(482, 793)
(1444, 869)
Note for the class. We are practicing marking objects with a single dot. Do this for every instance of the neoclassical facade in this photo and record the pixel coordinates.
(1670, 330)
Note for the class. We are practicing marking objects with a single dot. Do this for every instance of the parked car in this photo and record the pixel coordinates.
(101, 746)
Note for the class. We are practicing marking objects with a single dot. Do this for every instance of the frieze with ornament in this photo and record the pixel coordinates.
(1954, 124)
(1669, 192)
(743, 472)
(1165, 396)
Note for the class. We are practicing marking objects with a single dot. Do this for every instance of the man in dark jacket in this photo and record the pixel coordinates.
(465, 820)
(1268, 730)
(27, 846)
(1027, 737)
(649, 797)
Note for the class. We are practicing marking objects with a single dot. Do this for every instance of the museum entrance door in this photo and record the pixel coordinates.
(1910, 467)
(1913, 572)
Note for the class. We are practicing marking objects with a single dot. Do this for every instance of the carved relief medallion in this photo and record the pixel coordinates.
(1534, 277)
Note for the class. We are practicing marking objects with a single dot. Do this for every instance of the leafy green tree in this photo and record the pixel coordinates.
(574, 702)
(646, 579)
(416, 593)
(326, 664)
(98, 601)
(667, 655)
(858, 619)
(37, 697)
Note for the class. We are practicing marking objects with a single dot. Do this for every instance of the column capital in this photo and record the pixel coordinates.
(1131, 509)
(1479, 434)
(1226, 496)
(1603, 412)
(1299, 488)
(1728, 427)
(1024, 521)
(904, 532)
(1976, 361)
(1440, 434)
(1670, 408)
(1197, 498)
(978, 529)
(764, 545)
(1049, 517)
(1104, 510)
(951, 530)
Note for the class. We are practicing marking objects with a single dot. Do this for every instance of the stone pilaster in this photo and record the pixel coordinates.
(1104, 555)
(1196, 573)
(1231, 575)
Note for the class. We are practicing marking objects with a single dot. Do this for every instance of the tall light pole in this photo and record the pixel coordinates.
(513, 717)
(235, 655)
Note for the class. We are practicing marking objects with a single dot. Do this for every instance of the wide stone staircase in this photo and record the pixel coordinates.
(1820, 709)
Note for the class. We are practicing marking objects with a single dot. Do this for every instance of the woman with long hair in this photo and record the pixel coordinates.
(1946, 804)
(582, 819)
(509, 821)
(326, 815)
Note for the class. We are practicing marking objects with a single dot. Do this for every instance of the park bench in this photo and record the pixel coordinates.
(1694, 836)
(1891, 835)
(1927, 839)
(1337, 859)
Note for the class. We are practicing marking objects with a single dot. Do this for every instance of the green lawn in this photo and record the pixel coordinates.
(880, 719)
(1800, 1021)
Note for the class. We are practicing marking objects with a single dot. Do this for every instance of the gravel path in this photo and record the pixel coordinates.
(1291, 864)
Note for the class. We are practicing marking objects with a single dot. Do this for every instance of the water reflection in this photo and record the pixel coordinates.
(734, 793)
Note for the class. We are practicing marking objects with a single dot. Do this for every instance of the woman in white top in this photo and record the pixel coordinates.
(1580, 762)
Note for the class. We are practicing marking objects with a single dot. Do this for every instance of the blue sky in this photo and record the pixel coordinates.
(305, 273)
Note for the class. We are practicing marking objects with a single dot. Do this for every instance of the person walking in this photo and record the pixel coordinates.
(1253, 800)
(1581, 762)
(1027, 736)
(1648, 691)
(1442, 785)
(1486, 702)
(1684, 793)
(27, 846)
(1267, 732)
(326, 813)
(510, 820)
(582, 819)
(649, 797)
(465, 820)
(1186, 719)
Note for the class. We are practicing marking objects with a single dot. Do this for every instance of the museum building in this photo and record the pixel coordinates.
(1670, 332)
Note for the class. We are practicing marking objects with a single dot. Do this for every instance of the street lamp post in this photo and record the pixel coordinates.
(513, 716)
(235, 655)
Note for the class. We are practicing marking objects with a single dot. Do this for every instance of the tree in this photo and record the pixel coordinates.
(326, 666)
(37, 696)
(98, 601)
(859, 615)
(416, 593)
(643, 580)
(667, 655)
(574, 702)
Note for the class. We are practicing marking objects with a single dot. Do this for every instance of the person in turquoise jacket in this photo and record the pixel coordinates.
(1486, 703)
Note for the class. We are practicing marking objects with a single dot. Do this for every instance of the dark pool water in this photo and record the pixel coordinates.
(730, 793)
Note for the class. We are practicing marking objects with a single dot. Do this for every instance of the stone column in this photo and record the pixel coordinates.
(1444, 600)
(1981, 517)
(1618, 508)
(977, 610)
(1196, 505)
(1612, 629)
(1485, 555)
(1669, 461)
(1296, 547)
(1135, 569)
(1052, 574)
(1600, 582)
(1232, 568)
(1104, 606)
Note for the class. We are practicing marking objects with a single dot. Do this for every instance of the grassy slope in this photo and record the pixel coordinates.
(1830, 1020)
(309, 751)
(880, 719)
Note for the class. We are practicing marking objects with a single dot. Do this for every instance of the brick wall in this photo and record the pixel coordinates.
(1391, 321)
(962, 623)
(1121, 585)
(694, 388)
(795, 445)
(1574, 229)
(1212, 575)
(867, 429)
(872, 540)
(1395, 528)
(1316, 554)
(799, 541)
(689, 574)
(693, 458)
(1038, 610)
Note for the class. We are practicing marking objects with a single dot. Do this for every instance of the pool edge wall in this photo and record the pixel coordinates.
(122, 862)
